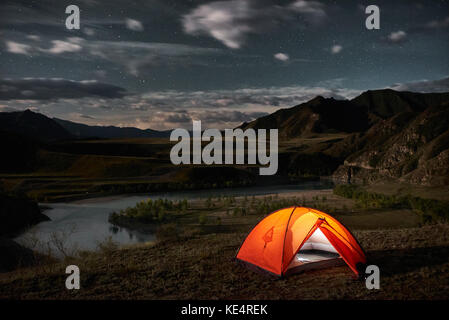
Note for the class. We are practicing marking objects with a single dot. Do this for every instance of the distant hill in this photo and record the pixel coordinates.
(33, 125)
(39, 127)
(108, 132)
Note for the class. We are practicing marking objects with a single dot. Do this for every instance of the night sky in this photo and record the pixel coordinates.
(159, 64)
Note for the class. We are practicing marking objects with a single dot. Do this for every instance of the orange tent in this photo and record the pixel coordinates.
(298, 238)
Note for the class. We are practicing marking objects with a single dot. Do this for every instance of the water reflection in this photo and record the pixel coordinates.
(83, 225)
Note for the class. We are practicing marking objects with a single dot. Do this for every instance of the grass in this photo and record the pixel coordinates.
(93, 168)
(151, 211)
(196, 243)
(430, 209)
(396, 188)
(413, 266)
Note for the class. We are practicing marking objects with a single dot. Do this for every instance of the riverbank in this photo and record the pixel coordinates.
(17, 213)
(413, 264)
(83, 224)
(192, 257)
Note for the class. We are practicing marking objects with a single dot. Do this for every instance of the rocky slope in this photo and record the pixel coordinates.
(410, 146)
(392, 135)
(318, 115)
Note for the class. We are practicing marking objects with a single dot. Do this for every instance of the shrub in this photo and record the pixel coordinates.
(202, 219)
(430, 208)
(150, 211)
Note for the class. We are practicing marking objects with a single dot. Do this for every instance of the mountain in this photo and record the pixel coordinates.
(108, 132)
(33, 125)
(383, 104)
(321, 115)
(41, 128)
(410, 146)
(389, 135)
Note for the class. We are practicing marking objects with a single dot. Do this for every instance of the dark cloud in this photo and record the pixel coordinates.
(85, 116)
(210, 119)
(240, 98)
(51, 89)
(224, 116)
(441, 85)
(179, 117)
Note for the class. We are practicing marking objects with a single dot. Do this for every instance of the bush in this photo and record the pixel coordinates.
(150, 211)
(202, 219)
(430, 208)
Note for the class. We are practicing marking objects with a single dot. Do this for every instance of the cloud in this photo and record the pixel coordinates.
(313, 8)
(59, 46)
(71, 44)
(89, 31)
(18, 48)
(225, 116)
(259, 99)
(220, 119)
(336, 49)
(55, 88)
(161, 109)
(438, 24)
(80, 116)
(231, 21)
(441, 85)
(4, 108)
(281, 56)
(135, 56)
(397, 37)
(134, 25)
(226, 21)
(33, 37)
(132, 55)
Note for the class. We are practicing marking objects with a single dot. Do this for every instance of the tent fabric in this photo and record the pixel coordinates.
(312, 260)
(318, 241)
(275, 240)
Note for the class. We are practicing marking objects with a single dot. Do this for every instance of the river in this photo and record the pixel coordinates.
(83, 224)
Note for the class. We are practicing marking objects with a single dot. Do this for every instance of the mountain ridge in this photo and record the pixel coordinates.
(380, 134)
(81, 130)
(389, 134)
(328, 115)
(39, 127)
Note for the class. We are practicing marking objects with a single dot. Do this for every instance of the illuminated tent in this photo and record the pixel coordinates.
(294, 239)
